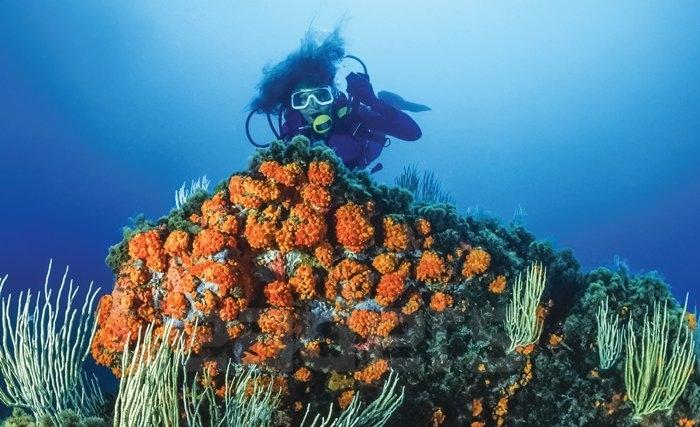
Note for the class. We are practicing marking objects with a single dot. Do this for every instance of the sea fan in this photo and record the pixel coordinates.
(424, 186)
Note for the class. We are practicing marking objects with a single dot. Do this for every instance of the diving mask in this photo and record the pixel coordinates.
(302, 98)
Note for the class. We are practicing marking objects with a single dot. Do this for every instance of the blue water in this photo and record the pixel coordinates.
(585, 116)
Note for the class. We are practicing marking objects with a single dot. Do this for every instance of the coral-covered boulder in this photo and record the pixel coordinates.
(327, 280)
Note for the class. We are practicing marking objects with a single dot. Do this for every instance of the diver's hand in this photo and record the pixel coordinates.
(361, 89)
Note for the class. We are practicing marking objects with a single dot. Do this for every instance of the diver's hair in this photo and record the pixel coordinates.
(313, 64)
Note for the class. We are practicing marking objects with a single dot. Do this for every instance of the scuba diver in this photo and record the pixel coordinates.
(302, 92)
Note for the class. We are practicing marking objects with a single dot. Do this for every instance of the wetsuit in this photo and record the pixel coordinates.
(360, 136)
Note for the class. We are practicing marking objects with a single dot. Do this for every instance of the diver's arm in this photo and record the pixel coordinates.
(380, 116)
(384, 118)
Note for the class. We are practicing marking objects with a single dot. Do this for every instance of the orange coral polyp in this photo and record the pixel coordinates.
(352, 227)
(260, 233)
(372, 372)
(355, 280)
(175, 305)
(200, 336)
(324, 254)
(413, 304)
(252, 193)
(389, 288)
(131, 275)
(385, 263)
(396, 235)
(321, 172)
(277, 321)
(498, 285)
(423, 226)
(104, 307)
(262, 350)
(477, 262)
(302, 375)
(310, 227)
(287, 175)
(387, 322)
(363, 322)
(278, 293)
(304, 283)
(357, 287)
(208, 242)
(148, 246)
(312, 349)
(692, 320)
(216, 214)
(213, 205)
(210, 303)
(285, 236)
(432, 268)
(234, 330)
(228, 224)
(438, 417)
(229, 309)
(345, 398)
(177, 243)
(317, 196)
(440, 301)
(217, 273)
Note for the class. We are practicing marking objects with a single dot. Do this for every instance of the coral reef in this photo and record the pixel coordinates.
(326, 281)
(66, 418)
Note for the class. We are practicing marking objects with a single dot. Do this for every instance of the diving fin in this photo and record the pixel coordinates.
(398, 102)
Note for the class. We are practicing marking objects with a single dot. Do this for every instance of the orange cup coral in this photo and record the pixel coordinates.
(148, 247)
(252, 193)
(287, 175)
(432, 268)
(303, 282)
(389, 288)
(477, 262)
(372, 372)
(278, 293)
(385, 263)
(363, 322)
(396, 235)
(440, 301)
(352, 227)
(321, 172)
(498, 285)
